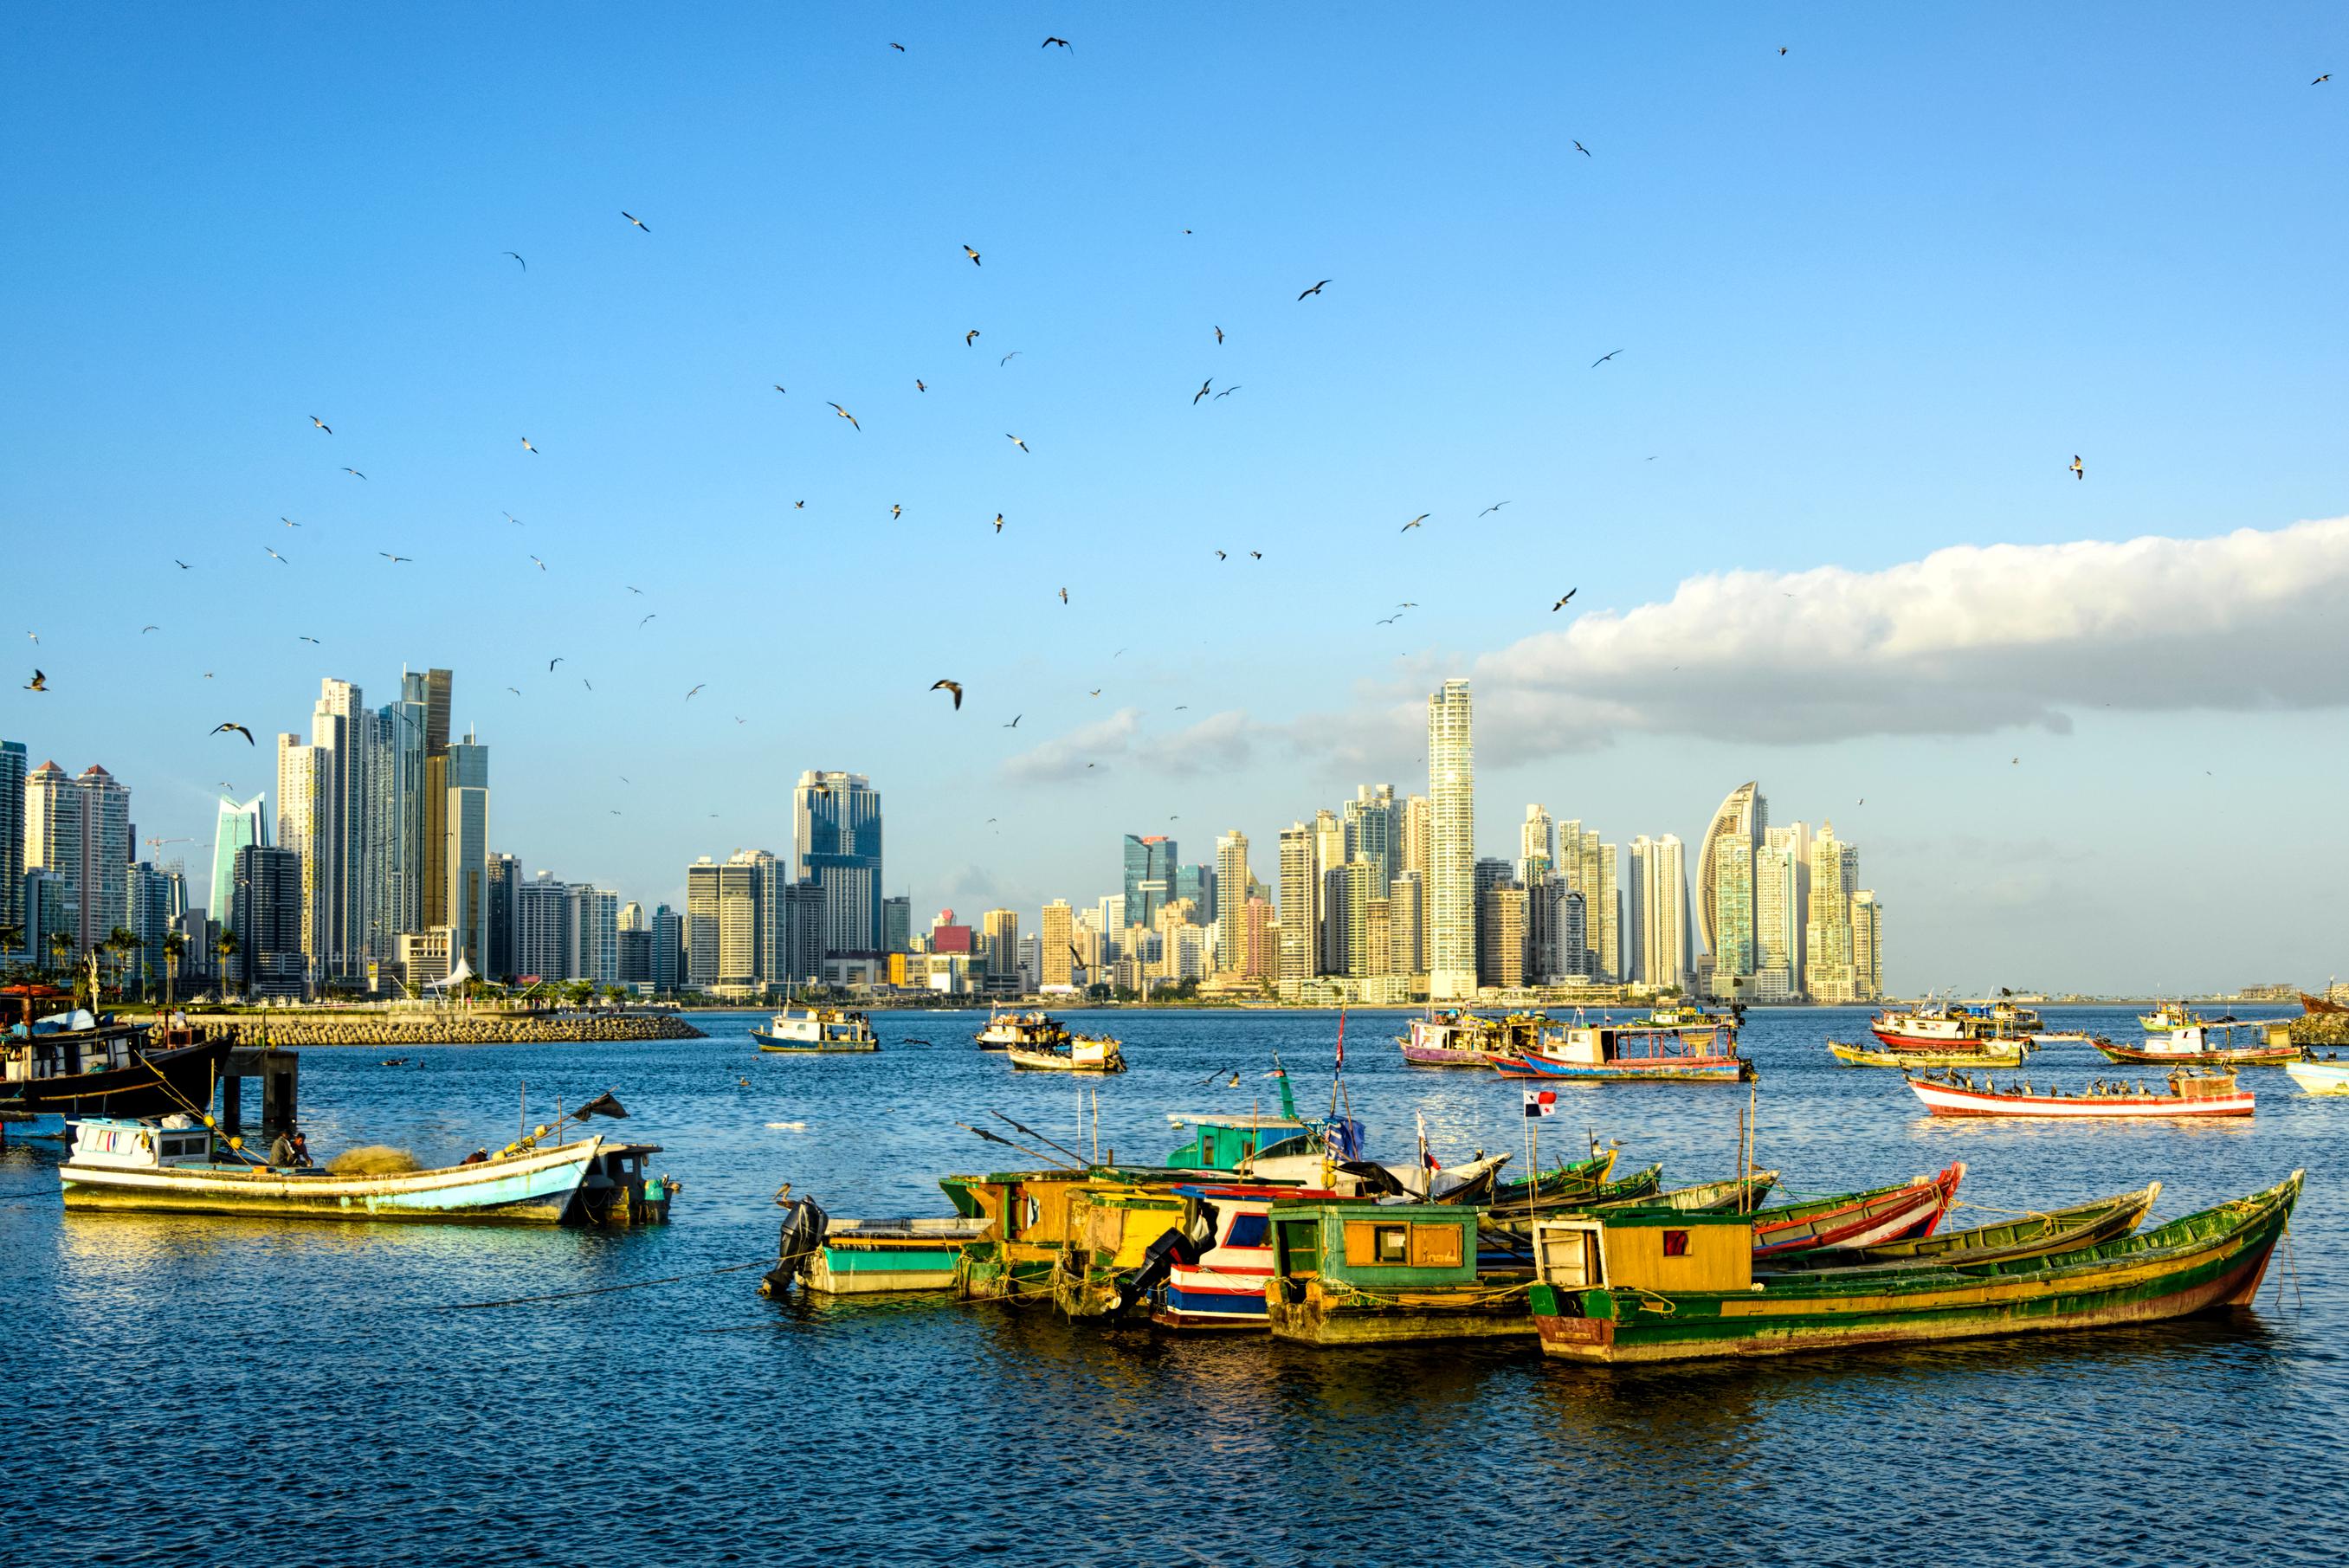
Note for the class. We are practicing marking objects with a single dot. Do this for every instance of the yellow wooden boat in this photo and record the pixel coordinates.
(1990, 1054)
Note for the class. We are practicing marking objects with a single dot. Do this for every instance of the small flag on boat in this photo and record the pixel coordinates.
(1426, 1159)
(1541, 1102)
(1342, 1039)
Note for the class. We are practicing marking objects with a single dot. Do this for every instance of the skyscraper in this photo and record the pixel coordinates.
(1501, 928)
(1373, 824)
(1415, 816)
(1537, 846)
(1296, 904)
(299, 787)
(1406, 919)
(1827, 944)
(466, 852)
(594, 937)
(106, 853)
(403, 793)
(503, 880)
(148, 895)
(1056, 931)
(1002, 929)
(897, 923)
(541, 937)
(836, 845)
(1658, 923)
(1452, 844)
(1232, 878)
(267, 906)
(1777, 920)
(1866, 947)
(1148, 863)
(668, 949)
(12, 833)
(1724, 891)
(234, 827)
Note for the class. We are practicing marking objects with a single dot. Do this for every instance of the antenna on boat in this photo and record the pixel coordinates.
(1037, 1136)
(999, 1138)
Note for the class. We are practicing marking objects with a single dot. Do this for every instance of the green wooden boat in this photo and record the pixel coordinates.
(1642, 1285)
(1346, 1271)
(1737, 1195)
(2036, 1236)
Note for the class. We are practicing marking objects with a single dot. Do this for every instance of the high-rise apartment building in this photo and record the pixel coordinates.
(1501, 929)
(1415, 815)
(1298, 901)
(1232, 878)
(79, 829)
(1588, 864)
(543, 931)
(1724, 892)
(1657, 933)
(300, 828)
(1777, 920)
(1828, 945)
(837, 846)
(504, 879)
(593, 941)
(897, 923)
(149, 896)
(1536, 847)
(433, 692)
(1406, 920)
(668, 949)
(268, 905)
(1056, 932)
(1374, 827)
(1000, 927)
(466, 852)
(339, 830)
(1866, 947)
(12, 834)
(1197, 885)
(1452, 843)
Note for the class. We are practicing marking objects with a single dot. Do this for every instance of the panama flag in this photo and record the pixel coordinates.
(1541, 1102)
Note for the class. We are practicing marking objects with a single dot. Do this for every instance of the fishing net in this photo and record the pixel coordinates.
(372, 1159)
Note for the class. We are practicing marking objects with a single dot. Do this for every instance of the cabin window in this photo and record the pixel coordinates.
(1300, 1249)
(1434, 1246)
(1207, 1147)
(1676, 1243)
(1248, 1231)
(1390, 1243)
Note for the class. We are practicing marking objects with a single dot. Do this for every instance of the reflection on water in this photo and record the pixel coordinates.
(351, 1413)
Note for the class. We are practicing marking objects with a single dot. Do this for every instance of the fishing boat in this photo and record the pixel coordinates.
(78, 1064)
(2168, 1015)
(1454, 1039)
(2190, 1092)
(1735, 1195)
(1034, 1031)
(2326, 1077)
(1641, 1287)
(2309, 1004)
(865, 1257)
(1288, 1147)
(1988, 1054)
(1081, 1054)
(1220, 1286)
(1934, 1025)
(169, 1165)
(2211, 1043)
(1905, 1209)
(1354, 1273)
(1568, 1187)
(2033, 1235)
(2063, 1038)
(1632, 1052)
(815, 1031)
(619, 1189)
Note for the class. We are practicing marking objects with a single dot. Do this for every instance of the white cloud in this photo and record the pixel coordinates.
(1066, 756)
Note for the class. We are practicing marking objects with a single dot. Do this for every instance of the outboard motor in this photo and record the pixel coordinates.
(803, 1229)
(1174, 1247)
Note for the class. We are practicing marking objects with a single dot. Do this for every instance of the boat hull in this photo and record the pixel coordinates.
(1325, 1315)
(2242, 1056)
(187, 1075)
(1861, 1056)
(1669, 1069)
(2217, 1262)
(1860, 1219)
(1059, 1062)
(1443, 1055)
(2321, 1078)
(535, 1189)
(1945, 1099)
(865, 1270)
(768, 1042)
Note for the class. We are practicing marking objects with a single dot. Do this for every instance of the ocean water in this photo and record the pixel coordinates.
(201, 1391)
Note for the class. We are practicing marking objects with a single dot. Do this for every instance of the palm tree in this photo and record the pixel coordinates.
(61, 948)
(175, 947)
(126, 944)
(225, 947)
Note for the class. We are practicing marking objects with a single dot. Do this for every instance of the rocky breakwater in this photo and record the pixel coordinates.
(461, 1029)
(2321, 1029)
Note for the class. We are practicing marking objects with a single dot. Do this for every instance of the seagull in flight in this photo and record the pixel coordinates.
(640, 626)
(972, 254)
(355, 473)
(847, 416)
(516, 690)
(1221, 556)
(917, 385)
(1006, 359)
(312, 641)
(144, 630)
(541, 565)
(1495, 507)
(998, 522)
(779, 386)
(1570, 593)
(233, 728)
(640, 222)
(1415, 521)
(2078, 471)
(38, 683)
(395, 560)
(1603, 359)
(1317, 288)
(527, 447)
(1015, 720)
(289, 522)
(1225, 393)
(525, 265)
(322, 424)
(2321, 80)
(1219, 336)
(633, 589)
(970, 337)
(1202, 392)
(1064, 595)
(1582, 150)
(274, 556)
(1015, 441)
(1390, 620)
(511, 518)
(1255, 554)
(901, 49)
(181, 564)
(553, 662)
(953, 687)
(689, 696)
(1046, 45)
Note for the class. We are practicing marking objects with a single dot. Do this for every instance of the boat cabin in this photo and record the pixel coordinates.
(1373, 1246)
(1659, 1250)
(124, 1143)
(618, 1187)
(68, 1044)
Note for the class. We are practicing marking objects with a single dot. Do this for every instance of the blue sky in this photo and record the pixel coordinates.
(1871, 294)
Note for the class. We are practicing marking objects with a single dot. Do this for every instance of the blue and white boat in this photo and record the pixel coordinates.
(167, 1166)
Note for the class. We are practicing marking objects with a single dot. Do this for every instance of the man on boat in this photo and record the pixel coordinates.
(290, 1150)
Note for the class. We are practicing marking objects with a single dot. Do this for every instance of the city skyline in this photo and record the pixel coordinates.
(1858, 566)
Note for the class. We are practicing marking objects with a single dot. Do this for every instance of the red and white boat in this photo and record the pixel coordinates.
(1856, 1219)
(2190, 1094)
(1225, 1289)
(1946, 1025)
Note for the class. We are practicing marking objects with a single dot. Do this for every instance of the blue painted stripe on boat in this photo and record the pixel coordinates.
(1218, 1303)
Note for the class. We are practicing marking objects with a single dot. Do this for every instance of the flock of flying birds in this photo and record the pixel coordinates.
(954, 689)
